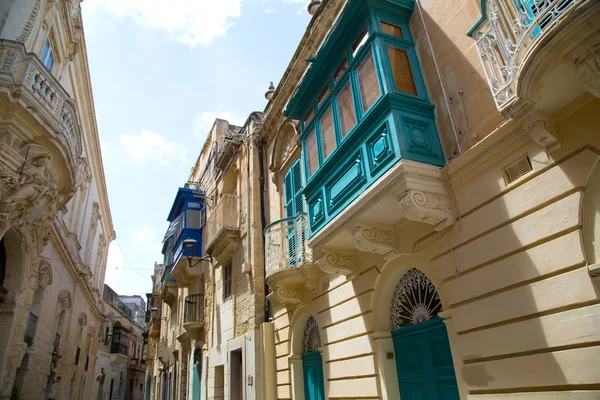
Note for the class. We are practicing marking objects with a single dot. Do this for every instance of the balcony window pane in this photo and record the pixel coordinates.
(327, 133)
(323, 95)
(403, 76)
(192, 219)
(346, 109)
(367, 82)
(360, 42)
(309, 116)
(340, 71)
(311, 153)
(391, 29)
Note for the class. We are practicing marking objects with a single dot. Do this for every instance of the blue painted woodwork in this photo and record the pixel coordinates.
(294, 205)
(424, 362)
(396, 126)
(187, 219)
(196, 382)
(312, 365)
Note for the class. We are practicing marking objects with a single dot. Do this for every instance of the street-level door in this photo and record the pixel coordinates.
(312, 362)
(422, 349)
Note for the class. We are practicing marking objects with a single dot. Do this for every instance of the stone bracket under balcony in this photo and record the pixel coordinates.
(296, 287)
(338, 263)
(222, 228)
(223, 244)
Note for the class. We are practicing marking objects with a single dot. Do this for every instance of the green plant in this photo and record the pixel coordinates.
(28, 340)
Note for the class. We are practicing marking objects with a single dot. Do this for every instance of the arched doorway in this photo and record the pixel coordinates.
(422, 350)
(312, 362)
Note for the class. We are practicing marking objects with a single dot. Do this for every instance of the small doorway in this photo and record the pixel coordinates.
(423, 356)
(312, 362)
(235, 364)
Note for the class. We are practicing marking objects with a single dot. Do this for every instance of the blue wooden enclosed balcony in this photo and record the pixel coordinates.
(367, 123)
(187, 221)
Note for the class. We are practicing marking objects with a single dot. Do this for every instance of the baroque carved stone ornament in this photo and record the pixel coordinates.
(430, 208)
(45, 276)
(287, 295)
(415, 300)
(373, 240)
(542, 131)
(588, 71)
(336, 263)
(64, 300)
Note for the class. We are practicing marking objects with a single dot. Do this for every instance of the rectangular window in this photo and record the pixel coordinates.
(311, 153)
(403, 76)
(48, 56)
(367, 82)
(309, 116)
(323, 95)
(340, 71)
(346, 109)
(327, 133)
(227, 277)
(392, 30)
(360, 42)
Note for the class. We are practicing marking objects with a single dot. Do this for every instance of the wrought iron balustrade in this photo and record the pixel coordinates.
(193, 309)
(286, 244)
(512, 29)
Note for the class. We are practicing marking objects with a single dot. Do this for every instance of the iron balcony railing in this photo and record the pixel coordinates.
(512, 28)
(223, 216)
(286, 244)
(193, 309)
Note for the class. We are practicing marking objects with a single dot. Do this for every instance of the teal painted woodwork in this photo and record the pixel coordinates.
(397, 125)
(195, 383)
(312, 365)
(424, 362)
(294, 205)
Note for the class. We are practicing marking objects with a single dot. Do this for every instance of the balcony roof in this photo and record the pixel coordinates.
(183, 194)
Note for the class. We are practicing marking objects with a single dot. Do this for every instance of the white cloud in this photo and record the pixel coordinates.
(189, 21)
(150, 145)
(206, 119)
(147, 238)
(114, 265)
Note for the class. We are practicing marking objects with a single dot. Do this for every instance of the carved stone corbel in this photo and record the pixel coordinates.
(588, 71)
(336, 263)
(430, 208)
(287, 295)
(373, 240)
(542, 131)
(310, 276)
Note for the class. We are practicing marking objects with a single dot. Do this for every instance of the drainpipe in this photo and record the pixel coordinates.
(263, 219)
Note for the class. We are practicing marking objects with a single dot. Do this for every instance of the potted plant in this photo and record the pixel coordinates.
(28, 340)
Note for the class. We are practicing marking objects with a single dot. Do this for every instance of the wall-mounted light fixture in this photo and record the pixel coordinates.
(188, 251)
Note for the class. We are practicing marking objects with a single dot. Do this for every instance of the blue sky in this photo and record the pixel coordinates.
(161, 72)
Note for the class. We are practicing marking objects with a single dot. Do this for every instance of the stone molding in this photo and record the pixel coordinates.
(542, 131)
(287, 295)
(337, 263)
(373, 240)
(588, 71)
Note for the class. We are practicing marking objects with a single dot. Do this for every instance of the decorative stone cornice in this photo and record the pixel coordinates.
(336, 263)
(542, 131)
(431, 208)
(373, 240)
(288, 295)
(588, 71)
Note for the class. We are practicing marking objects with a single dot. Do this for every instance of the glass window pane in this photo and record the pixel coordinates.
(339, 71)
(367, 82)
(403, 76)
(346, 109)
(309, 116)
(391, 29)
(327, 133)
(360, 42)
(323, 95)
(311, 153)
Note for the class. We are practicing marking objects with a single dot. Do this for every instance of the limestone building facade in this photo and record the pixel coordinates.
(55, 221)
(121, 368)
(418, 202)
(433, 170)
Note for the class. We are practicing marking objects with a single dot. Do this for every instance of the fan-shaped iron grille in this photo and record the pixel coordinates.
(415, 300)
(311, 340)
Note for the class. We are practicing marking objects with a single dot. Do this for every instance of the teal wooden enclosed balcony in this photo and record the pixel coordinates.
(363, 108)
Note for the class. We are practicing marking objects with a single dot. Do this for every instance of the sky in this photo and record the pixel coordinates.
(161, 72)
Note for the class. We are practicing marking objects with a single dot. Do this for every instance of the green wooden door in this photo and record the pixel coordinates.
(313, 376)
(196, 382)
(424, 362)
